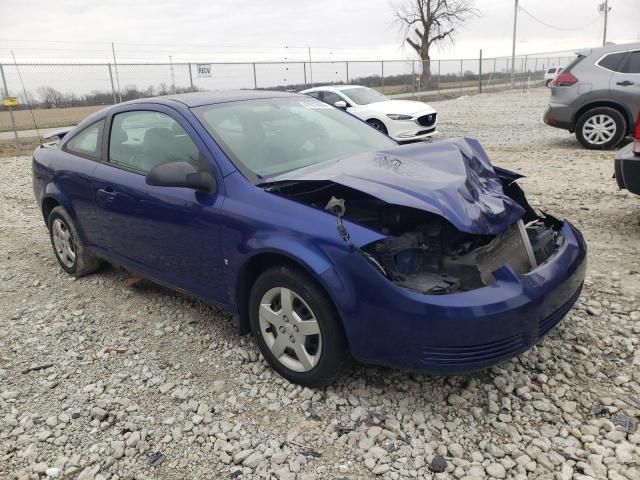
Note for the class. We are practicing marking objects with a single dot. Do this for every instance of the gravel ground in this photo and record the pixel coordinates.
(103, 381)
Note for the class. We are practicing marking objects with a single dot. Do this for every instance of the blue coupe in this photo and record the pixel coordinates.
(324, 238)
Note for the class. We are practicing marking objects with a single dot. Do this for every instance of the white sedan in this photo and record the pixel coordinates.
(402, 120)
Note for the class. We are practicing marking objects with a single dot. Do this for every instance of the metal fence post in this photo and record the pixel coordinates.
(347, 67)
(304, 72)
(382, 71)
(480, 73)
(494, 70)
(113, 88)
(535, 70)
(461, 78)
(506, 85)
(439, 75)
(13, 120)
(190, 76)
(255, 78)
(413, 76)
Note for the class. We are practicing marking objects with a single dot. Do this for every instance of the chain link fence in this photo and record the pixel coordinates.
(62, 94)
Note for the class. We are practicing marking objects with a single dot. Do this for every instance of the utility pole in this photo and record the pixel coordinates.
(173, 75)
(513, 48)
(606, 18)
(310, 68)
(115, 65)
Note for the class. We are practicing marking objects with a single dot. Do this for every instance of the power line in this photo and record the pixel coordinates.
(555, 27)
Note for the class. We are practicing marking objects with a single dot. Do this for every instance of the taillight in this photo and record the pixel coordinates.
(564, 79)
(636, 137)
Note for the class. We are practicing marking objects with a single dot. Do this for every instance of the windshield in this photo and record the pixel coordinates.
(267, 137)
(364, 95)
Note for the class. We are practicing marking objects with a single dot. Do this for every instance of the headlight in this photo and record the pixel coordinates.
(397, 116)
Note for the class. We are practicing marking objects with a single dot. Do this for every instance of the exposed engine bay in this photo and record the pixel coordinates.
(424, 252)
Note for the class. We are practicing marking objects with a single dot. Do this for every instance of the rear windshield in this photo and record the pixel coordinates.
(575, 62)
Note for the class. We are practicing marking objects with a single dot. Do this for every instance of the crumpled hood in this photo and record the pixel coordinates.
(451, 178)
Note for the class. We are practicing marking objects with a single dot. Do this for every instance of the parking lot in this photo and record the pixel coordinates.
(101, 380)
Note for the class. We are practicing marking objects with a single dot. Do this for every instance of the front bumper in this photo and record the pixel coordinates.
(412, 130)
(450, 334)
(627, 169)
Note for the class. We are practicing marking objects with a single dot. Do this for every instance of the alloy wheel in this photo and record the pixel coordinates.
(599, 129)
(290, 329)
(63, 243)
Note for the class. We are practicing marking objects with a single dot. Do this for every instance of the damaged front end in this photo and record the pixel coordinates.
(446, 230)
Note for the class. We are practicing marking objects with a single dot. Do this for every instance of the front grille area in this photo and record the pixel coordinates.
(475, 354)
(427, 120)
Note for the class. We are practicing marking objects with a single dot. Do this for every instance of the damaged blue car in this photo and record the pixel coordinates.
(324, 238)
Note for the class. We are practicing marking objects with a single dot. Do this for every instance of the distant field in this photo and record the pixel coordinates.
(52, 117)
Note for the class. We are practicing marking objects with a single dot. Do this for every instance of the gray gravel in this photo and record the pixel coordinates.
(102, 381)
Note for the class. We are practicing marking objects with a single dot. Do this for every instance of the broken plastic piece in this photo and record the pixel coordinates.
(156, 459)
(625, 423)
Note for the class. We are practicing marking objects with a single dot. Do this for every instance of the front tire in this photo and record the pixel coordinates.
(69, 250)
(296, 327)
(378, 125)
(601, 128)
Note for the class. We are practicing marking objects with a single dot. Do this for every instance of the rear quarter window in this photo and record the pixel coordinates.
(87, 143)
(612, 61)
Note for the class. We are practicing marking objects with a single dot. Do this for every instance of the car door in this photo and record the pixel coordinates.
(171, 234)
(79, 157)
(625, 83)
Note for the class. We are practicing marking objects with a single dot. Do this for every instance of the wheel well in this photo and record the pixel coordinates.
(48, 204)
(615, 106)
(247, 276)
(373, 120)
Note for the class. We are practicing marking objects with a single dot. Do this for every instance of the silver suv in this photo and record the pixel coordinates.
(597, 96)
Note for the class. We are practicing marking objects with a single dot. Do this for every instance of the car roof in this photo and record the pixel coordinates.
(333, 87)
(621, 47)
(198, 99)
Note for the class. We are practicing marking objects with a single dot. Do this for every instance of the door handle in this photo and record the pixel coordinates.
(106, 194)
(626, 83)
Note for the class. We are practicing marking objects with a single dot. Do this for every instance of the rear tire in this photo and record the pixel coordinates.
(296, 327)
(378, 125)
(601, 128)
(69, 250)
(547, 83)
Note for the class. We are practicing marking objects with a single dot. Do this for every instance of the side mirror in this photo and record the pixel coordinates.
(341, 104)
(181, 174)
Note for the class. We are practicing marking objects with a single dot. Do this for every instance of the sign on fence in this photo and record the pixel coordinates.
(10, 101)
(204, 70)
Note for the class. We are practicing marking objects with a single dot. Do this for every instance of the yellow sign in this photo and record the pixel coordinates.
(10, 101)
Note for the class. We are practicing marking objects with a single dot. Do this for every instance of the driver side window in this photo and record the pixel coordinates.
(142, 140)
(331, 98)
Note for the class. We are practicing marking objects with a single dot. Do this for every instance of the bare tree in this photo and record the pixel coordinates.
(425, 23)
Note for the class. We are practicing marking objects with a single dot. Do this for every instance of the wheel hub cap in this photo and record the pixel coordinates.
(599, 129)
(63, 243)
(290, 329)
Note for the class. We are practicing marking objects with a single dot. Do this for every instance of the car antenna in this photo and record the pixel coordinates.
(26, 97)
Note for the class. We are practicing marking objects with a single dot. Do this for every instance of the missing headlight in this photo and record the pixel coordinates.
(437, 259)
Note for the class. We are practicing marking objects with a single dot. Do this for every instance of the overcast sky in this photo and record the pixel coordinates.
(259, 29)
